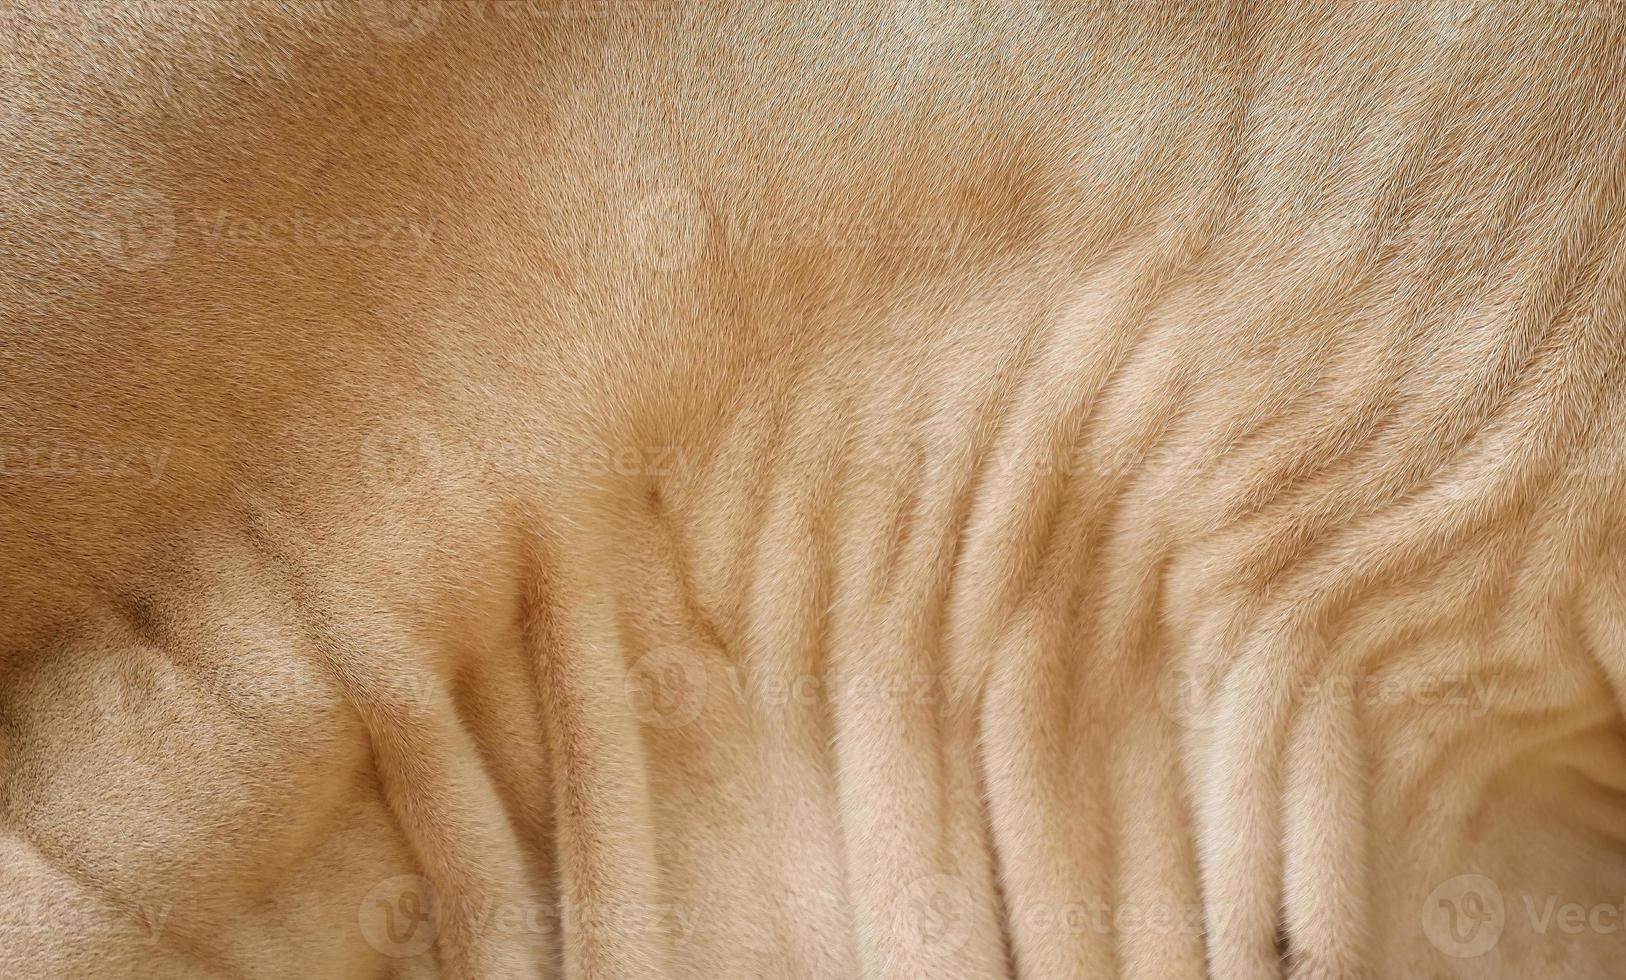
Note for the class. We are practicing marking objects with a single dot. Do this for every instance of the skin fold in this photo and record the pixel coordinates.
(776, 490)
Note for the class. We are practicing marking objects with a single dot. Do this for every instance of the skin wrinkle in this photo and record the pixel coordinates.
(926, 390)
(188, 947)
(992, 421)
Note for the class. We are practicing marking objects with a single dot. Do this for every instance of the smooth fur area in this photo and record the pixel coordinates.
(514, 489)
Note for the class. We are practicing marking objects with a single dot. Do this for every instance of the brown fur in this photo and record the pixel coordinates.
(937, 489)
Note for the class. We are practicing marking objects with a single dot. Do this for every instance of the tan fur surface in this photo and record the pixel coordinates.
(1115, 488)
